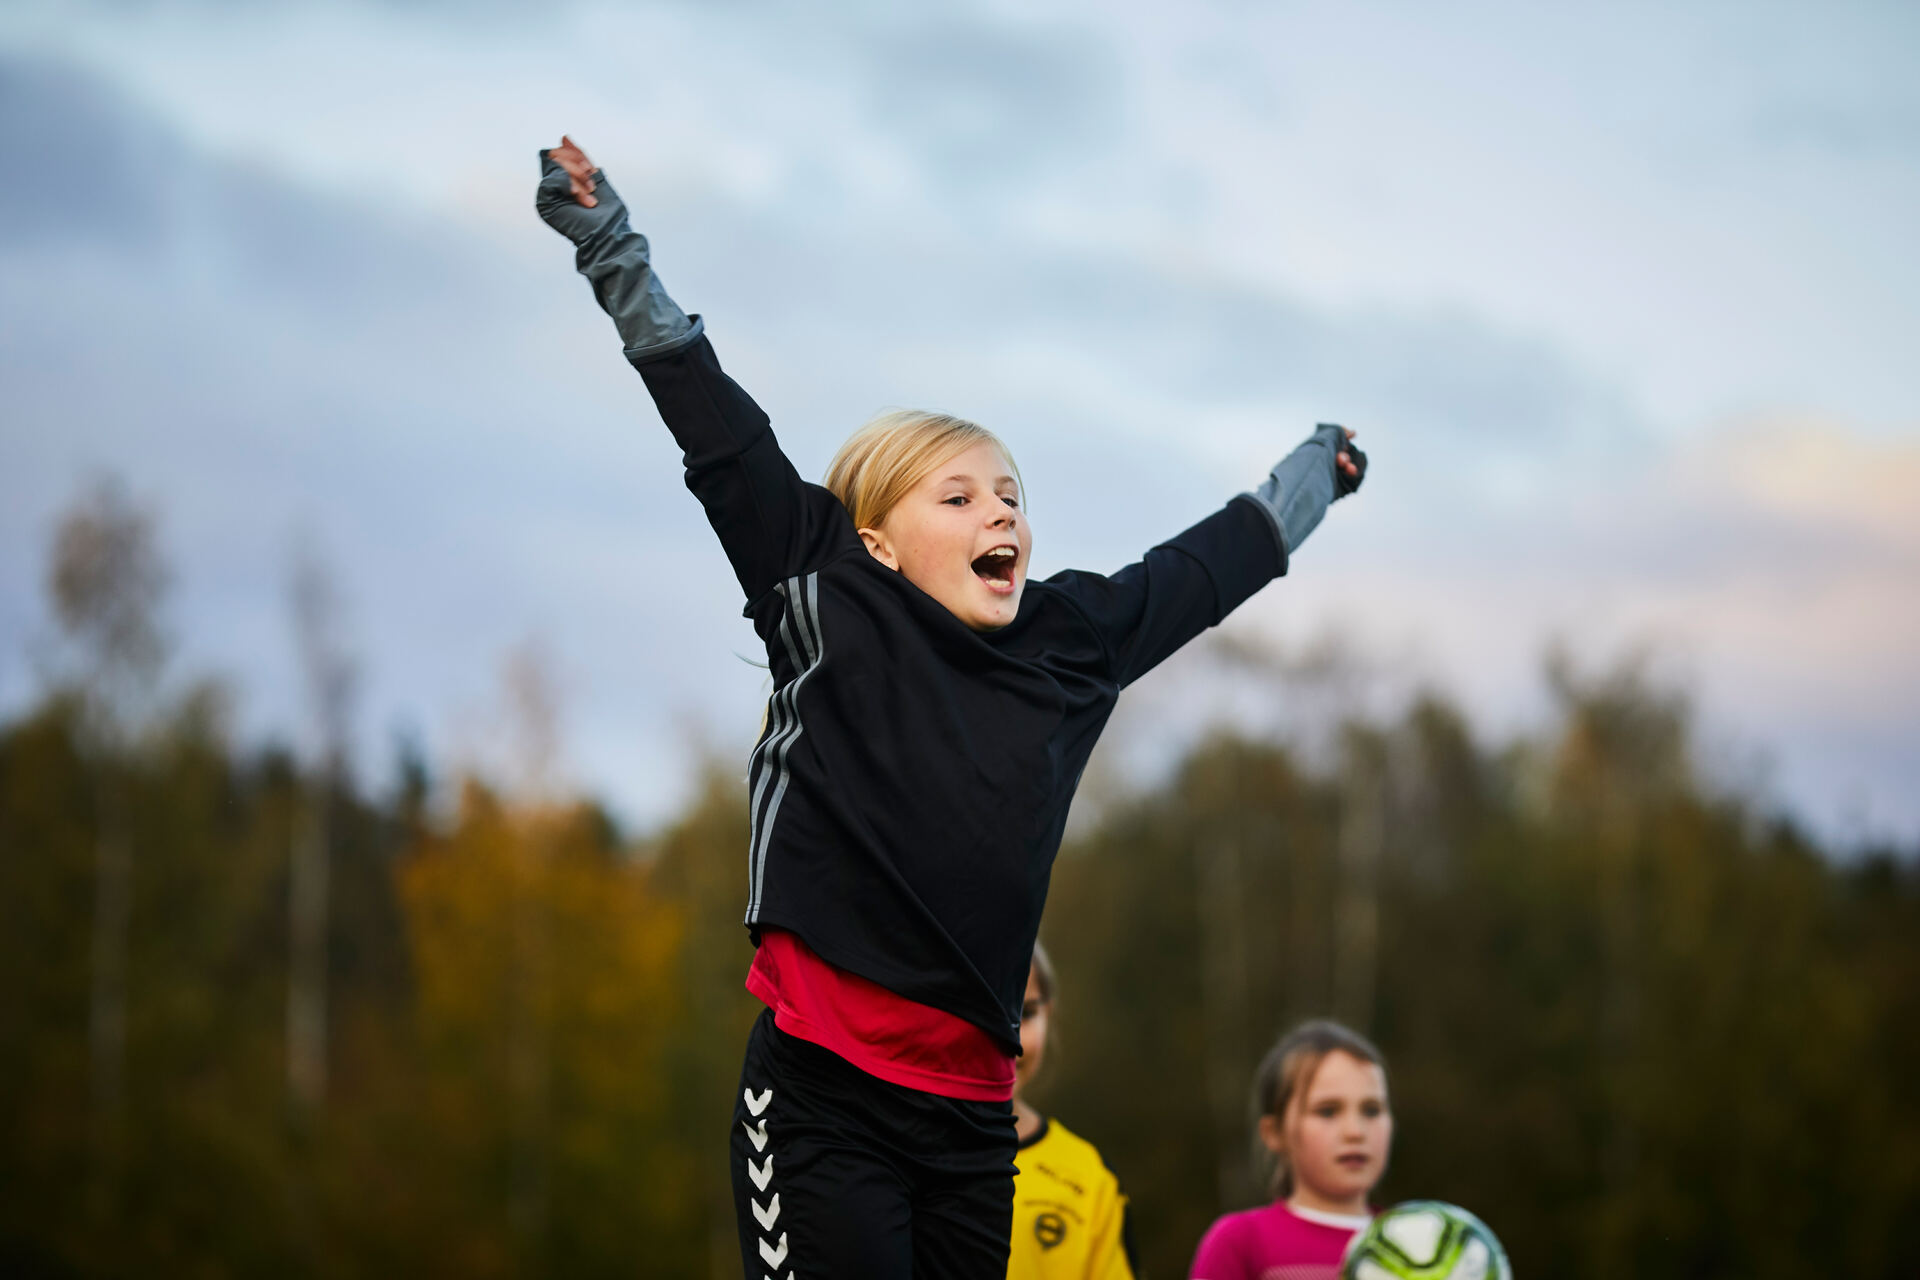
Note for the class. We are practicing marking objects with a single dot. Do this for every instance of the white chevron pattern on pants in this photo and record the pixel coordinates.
(774, 1257)
(762, 1177)
(757, 1134)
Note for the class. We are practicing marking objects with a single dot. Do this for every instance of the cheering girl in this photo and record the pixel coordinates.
(932, 711)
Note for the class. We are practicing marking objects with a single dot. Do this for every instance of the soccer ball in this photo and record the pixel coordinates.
(1426, 1240)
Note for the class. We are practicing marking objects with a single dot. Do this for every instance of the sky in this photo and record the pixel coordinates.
(1623, 300)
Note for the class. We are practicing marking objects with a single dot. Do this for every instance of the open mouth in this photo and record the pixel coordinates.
(996, 567)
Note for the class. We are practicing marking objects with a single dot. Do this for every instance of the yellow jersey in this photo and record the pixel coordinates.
(1069, 1218)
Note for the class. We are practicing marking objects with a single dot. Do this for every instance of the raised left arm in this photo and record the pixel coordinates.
(1297, 492)
(1149, 609)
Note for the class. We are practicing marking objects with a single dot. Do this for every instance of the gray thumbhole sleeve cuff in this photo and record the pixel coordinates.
(1296, 493)
(615, 260)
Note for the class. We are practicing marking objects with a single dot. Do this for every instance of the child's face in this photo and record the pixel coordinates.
(1035, 1013)
(961, 537)
(1337, 1134)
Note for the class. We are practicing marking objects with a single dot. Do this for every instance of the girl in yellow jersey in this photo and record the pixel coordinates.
(1069, 1218)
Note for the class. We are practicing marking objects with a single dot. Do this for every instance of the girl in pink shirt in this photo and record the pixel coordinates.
(1321, 1098)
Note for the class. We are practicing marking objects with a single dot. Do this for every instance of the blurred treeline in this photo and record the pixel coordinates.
(257, 1018)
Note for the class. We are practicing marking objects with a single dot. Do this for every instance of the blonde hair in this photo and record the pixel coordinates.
(1043, 970)
(882, 461)
(1049, 984)
(1284, 1075)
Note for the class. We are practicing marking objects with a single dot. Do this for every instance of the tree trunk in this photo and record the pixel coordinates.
(530, 1024)
(107, 1014)
(1357, 915)
(307, 970)
(1223, 1003)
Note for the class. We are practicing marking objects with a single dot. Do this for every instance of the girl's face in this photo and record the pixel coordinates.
(1035, 1012)
(960, 536)
(1337, 1133)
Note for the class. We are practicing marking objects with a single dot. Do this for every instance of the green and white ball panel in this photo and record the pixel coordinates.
(1426, 1240)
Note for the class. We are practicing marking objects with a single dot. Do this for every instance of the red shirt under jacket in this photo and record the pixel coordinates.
(887, 1036)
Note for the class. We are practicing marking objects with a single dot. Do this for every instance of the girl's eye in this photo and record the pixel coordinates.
(1371, 1109)
(1327, 1110)
(957, 500)
(1029, 1010)
(1011, 501)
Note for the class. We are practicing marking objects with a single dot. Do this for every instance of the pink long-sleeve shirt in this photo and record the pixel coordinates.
(1276, 1242)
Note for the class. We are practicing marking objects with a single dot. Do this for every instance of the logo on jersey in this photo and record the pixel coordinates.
(1049, 1229)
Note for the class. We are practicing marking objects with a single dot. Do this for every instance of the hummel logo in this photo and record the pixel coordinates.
(774, 1257)
(769, 1215)
(758, 1134)
(757, 1105)
(761, 1177)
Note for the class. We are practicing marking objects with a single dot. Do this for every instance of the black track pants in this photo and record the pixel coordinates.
(839, 1176)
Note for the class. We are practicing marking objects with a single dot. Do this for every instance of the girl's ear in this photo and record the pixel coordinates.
(879, 548)
(1273, 1134)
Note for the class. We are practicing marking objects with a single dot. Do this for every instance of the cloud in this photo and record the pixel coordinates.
(1768, 565)
(1795, 544)
(431, 389)
(255, 357)
(91, 146)
(452, 421)
(992, 105)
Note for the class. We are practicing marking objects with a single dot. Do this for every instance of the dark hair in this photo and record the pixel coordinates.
(1285, 1073)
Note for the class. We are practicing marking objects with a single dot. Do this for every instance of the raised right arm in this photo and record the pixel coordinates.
(772, 524)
